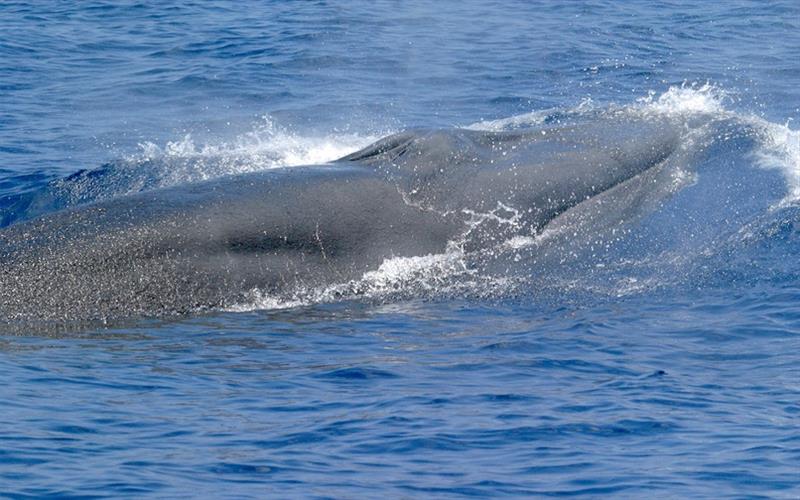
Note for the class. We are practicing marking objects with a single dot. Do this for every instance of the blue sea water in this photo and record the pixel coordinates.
(668, 367)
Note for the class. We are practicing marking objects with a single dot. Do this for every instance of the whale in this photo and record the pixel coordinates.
(206, 245)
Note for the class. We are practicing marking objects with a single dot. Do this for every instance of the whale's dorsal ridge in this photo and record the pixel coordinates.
(387, 148)
(419, 145)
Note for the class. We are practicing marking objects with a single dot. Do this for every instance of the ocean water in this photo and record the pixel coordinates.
(663, 362)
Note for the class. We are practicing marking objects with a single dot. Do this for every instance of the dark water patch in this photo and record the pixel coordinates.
(356, 374)
(72, 429)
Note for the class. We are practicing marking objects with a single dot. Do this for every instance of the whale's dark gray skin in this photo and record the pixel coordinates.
(207, 245)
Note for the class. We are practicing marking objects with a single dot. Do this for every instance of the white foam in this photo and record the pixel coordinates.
(780, 149)
(257, 300)
(268, 145)
(686, 99)
(398, 275)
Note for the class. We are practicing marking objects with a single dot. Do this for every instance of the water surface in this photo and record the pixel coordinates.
(665, 364)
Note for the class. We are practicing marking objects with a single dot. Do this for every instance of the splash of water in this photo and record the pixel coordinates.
(780, 149)
(268, 145)
(686, 99)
